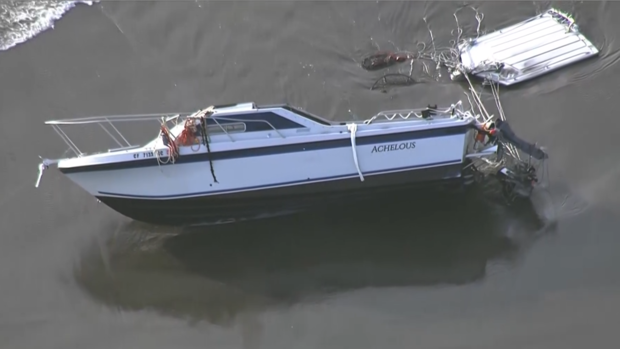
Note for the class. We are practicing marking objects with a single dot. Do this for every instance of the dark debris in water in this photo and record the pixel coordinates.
(395, 79)
(384, 59)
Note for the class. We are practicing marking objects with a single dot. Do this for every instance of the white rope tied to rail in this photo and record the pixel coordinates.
(353, 129)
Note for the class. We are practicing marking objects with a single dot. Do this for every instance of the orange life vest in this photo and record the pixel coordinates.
(480, 136)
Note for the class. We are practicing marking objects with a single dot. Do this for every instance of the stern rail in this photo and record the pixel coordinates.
(109, 125)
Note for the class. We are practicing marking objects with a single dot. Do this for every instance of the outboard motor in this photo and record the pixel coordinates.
(519, 178)
(517, 182)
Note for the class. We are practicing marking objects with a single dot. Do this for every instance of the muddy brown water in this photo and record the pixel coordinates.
(456, 272)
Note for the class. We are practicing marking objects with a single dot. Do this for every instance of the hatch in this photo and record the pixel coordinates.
(526, 50)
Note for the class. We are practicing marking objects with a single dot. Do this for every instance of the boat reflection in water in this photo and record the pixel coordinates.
(215, 273)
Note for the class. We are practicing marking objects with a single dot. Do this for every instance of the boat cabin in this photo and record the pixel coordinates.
(248, 121)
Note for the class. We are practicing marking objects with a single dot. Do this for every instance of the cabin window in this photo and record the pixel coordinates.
(251, 122)
(307, 115)
(224, 128)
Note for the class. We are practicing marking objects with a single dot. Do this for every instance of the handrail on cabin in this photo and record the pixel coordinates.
(455, 110)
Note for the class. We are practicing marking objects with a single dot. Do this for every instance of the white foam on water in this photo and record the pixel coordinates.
(21, 20)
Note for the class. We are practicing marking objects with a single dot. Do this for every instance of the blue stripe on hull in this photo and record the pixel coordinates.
(273, 150)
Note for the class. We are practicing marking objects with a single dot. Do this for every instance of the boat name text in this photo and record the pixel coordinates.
(148, 154)
(393, 147)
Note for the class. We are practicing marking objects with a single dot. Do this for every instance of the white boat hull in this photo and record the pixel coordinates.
(297, 178)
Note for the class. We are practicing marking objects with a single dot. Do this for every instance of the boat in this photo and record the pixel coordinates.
(525, 50)
(242, 161)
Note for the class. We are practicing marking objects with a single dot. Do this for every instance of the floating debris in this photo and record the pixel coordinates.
(526, 50)
(392, 80)
(384, 59)
(523, 51)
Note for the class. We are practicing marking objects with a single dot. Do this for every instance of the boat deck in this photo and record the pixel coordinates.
(526, 50)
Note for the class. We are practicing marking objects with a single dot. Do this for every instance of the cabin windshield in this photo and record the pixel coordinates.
(308, 116)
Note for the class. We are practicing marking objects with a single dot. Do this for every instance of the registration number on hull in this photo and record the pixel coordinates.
(148, 154)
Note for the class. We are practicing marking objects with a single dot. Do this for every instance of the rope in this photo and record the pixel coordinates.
(353, 129)
(495, 92)
(173, 150)
(187, 137)
(205, 139)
